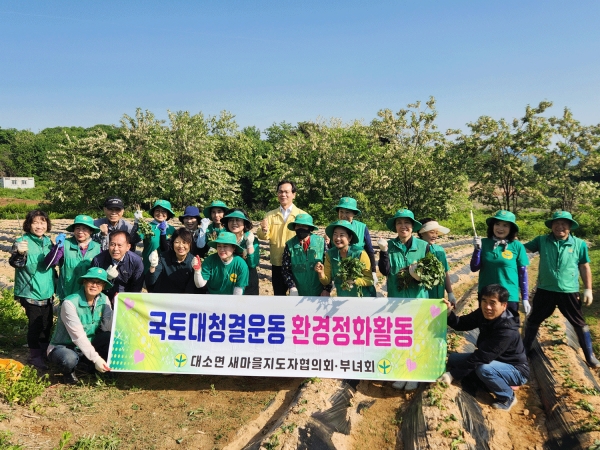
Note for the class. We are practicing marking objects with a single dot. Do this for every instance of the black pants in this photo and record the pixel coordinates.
(252, 288)
(545, 302)
(279, 286)
(39, 329)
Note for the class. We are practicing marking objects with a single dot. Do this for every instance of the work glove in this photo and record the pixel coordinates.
(60, 240)
(250, 240)
(163, 228)
(477, 242)
(383, 245)
(411, 271)
(527, 307)
(112, 272)
(204, 223)
(451, 298)
(138, 215)
(446, 378)
(101, 366)
(197, 264)
(22, 247)
(587, 297)
(375, 279)
(293, 292)
(153, 259)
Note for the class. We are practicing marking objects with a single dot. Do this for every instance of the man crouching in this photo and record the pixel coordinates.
(83, 327)
(499, 362)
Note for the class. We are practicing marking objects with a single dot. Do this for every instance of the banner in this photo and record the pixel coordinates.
(328, 337)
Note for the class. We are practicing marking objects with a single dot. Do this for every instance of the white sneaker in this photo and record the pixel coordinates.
(411, 385)
(399, 385)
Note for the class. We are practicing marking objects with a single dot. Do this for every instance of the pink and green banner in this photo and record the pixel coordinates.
(336, 337)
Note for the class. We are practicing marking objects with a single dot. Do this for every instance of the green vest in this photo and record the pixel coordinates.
(303, 264)
(74, 265)
(334, 260)
(90, 321)
(153, 243)
(359, 228)
(35, 281)
(400, 257)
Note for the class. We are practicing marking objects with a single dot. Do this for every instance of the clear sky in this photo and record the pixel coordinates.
(80, 63)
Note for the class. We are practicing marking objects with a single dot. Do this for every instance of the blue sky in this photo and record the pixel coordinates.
(82, 63)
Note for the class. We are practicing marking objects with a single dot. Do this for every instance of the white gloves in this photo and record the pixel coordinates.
(101, 366)
(446, 378)
(451, 298)
(293, 292)
(204, 223)
(250, 240)
(112, 272)
(383, 245)
(153, 259)
(477, 242)
(587, 297)
(526, 307)
(22, 247)
(411, 271)
(138, 215)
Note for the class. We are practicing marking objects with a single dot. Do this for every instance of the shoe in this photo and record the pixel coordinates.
(411, 385)
(36, 359)
(507, 405)
(399, 385)
(70, 378)
(585, 341)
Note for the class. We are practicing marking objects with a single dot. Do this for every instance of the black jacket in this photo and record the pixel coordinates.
(499, 340)
(131, 272)
(171, 276)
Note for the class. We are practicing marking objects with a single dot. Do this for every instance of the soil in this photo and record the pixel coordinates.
(145, 411)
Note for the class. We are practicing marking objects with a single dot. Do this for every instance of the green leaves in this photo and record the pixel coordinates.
(431, 271)
(349, 270)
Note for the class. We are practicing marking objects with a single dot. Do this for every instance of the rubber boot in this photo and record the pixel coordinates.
(70, 378)
(585, 340)
(531, 332)
(36, 359)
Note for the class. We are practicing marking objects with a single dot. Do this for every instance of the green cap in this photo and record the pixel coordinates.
(215, 204)
(226, 237)
(302, 219)
(236, 215)
(566, 215)
(348, 203)
(98, 274)
(165, 204)
(504, 215)
(344, 224)
(403, 213)
(83, 220)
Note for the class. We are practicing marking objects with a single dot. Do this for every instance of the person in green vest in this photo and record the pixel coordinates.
(397, 260)
(211, 225)
(224, 272)
(83, 327)
(501, 259)
(74, 255)
(162, 231)
(342, 236)
(429, 232)
(563, 259)
(34, 282)
(347, 209)
(301, 254)
(237, 222)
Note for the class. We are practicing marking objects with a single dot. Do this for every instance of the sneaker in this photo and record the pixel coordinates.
(507, 405)
(70, 378)
(411, 385)
(399, 385)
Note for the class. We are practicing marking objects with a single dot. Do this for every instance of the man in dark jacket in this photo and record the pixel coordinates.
(499, 362)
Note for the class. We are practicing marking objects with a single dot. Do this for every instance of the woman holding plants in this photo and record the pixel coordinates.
(34, 282)
(502, 259)
(349, 268)
(156, 235)
(300, 255)
(429, 232)
(237, 222)
(211, 226)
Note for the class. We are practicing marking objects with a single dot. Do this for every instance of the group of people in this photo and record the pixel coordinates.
(219, 254)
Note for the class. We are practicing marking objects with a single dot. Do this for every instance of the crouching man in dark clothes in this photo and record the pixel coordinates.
(499, 362)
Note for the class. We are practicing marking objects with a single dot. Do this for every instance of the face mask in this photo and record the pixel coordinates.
(302, 233)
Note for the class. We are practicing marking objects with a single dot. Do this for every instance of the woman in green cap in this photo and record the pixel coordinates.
(224, 272)
(237, 222)
(342, 236)
(300, 255)
(161, 231)
(211, 226)
(74, 255)
(347, 209)
(501, 259)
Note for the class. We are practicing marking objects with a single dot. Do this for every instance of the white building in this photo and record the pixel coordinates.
(17, 182)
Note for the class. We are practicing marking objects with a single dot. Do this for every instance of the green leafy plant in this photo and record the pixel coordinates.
(431, 271)
(145, 229)
(21, 386)
(350, 269)
(403, 278)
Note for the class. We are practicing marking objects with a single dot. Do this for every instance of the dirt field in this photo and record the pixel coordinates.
(190, 412)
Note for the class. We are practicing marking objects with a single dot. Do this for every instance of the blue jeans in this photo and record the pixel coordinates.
(65, 358)
(498, 377)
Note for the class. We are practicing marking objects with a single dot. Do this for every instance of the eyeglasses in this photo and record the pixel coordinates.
(283, 192)
(95, 281)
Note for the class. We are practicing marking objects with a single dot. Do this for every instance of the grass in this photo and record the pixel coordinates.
(13, 321)
(592, 313)
(21, 387)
